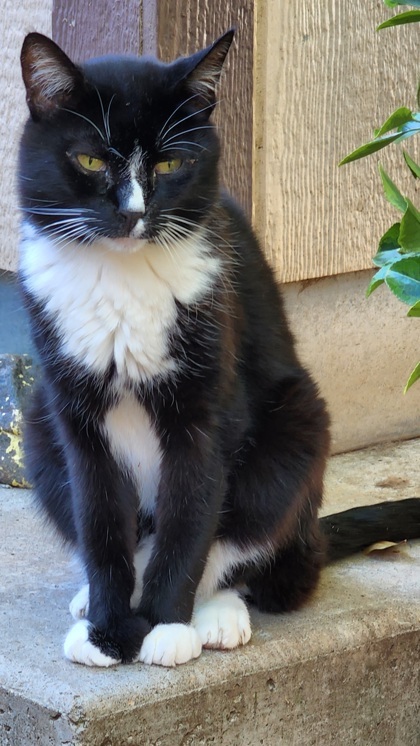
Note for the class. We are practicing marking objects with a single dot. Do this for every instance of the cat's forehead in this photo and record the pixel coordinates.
(134, 79)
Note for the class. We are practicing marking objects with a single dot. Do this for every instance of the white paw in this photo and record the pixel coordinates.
(79, 605)
(79, 649)
(170, 645)
(222, 622)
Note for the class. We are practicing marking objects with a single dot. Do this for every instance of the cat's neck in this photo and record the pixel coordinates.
(112, 306)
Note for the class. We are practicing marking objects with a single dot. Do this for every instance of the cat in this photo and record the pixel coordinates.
(175, 440)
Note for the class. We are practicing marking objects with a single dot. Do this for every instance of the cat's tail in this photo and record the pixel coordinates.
(353, 530)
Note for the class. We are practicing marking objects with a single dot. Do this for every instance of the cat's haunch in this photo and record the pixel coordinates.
(175, 439)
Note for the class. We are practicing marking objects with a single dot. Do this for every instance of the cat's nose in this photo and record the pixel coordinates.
(131, 218)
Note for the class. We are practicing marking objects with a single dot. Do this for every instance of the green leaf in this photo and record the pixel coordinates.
(389, 240)
(392, 192)
(403, 279)
(410, 128)
(412, 165)
(409, 236)
(394, 3)
(415, 375)
(396, 119)
(370, 147)
(411, 16)
(377, 279)
(385, 258)
(414, 310)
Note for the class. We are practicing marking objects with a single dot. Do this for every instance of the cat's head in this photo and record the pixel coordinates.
(119, 149)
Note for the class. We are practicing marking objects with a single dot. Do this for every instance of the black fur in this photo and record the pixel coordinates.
(243, 431)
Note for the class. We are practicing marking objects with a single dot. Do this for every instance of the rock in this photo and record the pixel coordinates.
(17, 374)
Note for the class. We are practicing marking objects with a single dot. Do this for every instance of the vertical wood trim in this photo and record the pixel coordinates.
(182, 27)
(85, 29)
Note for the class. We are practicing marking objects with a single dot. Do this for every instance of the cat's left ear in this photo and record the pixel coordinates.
(51, 79)
(203, 78)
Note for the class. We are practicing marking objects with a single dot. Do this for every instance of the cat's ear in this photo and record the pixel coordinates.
(51, 79)
(205, 74)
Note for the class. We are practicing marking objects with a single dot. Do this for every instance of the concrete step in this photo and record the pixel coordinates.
(344, 670)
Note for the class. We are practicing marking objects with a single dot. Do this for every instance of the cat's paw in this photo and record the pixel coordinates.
(79, 605)
(79, 648)
(170, 645)
(222, 622)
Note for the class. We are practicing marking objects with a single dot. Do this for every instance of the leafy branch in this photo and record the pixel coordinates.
(398, 255)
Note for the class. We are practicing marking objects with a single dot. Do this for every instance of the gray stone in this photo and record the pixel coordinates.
(16, 378)
(344, 670)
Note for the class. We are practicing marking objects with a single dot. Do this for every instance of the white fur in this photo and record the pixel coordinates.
(78, 649)
(115, 304)
(170, 645)
(135, 446)
(136, 198)
(223, 558)
(79, 605)
(222, 622)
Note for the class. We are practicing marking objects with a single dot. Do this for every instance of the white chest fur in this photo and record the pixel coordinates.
(135, 446)
(116, 306)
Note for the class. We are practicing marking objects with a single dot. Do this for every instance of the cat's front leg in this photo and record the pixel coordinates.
(105, 517)
(191, 488)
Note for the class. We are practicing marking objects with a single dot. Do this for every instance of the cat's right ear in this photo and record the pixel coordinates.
(51, 79)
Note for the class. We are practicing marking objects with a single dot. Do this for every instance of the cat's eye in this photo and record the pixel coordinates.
(90, 163)
(169, 166)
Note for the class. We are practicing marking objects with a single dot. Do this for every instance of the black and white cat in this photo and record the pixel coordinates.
(175, 439)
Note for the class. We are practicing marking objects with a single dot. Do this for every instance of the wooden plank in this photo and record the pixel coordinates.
(84, 28)
(17, 20)
(324, 79)
(184, 26)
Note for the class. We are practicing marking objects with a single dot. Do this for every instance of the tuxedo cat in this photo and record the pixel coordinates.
(175, 440)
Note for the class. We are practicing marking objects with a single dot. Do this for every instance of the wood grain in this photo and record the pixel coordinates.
(323, 80)
(85, 28)
(183, 26)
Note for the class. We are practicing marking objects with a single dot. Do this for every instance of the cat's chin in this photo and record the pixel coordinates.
(124, 245)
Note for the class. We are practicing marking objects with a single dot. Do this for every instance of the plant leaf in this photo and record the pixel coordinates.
(414, 310)
(409, 236)
(414, 376)
(392, 192)
(412, 165)
(411, 16)
(389, 241)
(371, 147)
(403, 279)
(385, 258)
(396, 119)
(377, 279)
(394, 3)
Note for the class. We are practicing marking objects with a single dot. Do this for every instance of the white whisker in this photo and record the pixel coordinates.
(89, 121)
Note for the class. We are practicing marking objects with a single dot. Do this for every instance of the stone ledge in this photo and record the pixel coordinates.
(343, 670)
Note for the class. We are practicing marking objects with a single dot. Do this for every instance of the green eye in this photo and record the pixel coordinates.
(168, 167)
(90, 163)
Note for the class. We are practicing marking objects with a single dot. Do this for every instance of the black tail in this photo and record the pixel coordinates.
(353, 530)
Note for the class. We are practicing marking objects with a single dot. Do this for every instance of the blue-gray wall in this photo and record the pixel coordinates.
(14, 330)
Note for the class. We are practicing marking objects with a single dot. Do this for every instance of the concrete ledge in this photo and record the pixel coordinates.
(345, 670)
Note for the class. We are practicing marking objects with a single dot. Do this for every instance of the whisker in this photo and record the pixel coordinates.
(185, 132)
(194, 113)
(107, 121)
(89, 121)
(174, 146)
(195, 95)
(103, 113)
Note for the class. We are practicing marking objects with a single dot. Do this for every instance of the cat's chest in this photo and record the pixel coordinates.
(111, 307)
